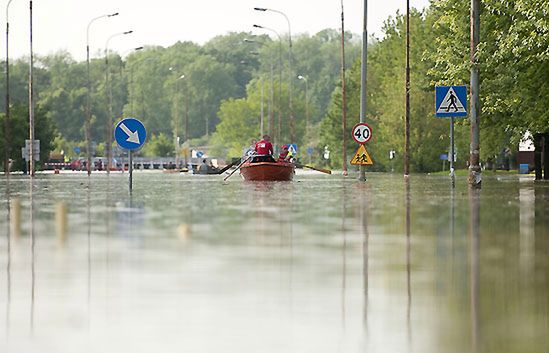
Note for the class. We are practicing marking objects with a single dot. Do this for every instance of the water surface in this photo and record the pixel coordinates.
(321, 264)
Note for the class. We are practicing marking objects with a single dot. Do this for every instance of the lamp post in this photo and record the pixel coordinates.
(290, 74)
(31, 98)
(279, 129)
(303, 78)
(88, 105)
(108, 89)
(176, 120)
(138, 61)
(7, 131)
(271, 93)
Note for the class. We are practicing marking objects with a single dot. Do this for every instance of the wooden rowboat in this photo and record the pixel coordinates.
(267, 171)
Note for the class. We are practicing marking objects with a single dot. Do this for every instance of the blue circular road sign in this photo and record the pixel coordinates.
(130, 134)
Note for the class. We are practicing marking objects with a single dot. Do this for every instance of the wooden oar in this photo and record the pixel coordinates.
(221, 171)
(327, 171)
(237, 168)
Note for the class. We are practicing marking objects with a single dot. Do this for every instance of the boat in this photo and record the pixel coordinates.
(267, 171)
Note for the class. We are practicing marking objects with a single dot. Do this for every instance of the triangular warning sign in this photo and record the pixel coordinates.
(451, 103)
(362, 157)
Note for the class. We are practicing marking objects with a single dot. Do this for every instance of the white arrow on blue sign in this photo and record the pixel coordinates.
(450, 101)
(130, 134)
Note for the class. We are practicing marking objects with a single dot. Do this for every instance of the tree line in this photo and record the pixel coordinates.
(213, 94)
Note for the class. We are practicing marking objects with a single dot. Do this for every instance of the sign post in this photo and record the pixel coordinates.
(362, 133)
(130, 134)
(451, 101)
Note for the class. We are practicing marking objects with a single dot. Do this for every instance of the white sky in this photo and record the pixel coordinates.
(61, 24)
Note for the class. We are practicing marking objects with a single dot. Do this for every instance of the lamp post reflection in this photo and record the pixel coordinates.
(363, 207)
(8, 256)
(408, 261)
(32, 243)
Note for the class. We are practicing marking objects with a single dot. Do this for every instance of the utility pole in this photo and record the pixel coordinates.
(362, 174)
(7, 131)
(343, 97)
(475, 176)
(407, 99)
(31, 100)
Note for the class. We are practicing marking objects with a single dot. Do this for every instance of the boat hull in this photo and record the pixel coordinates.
(267, 171)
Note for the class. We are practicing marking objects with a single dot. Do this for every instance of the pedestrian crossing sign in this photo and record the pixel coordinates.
(362, 157)
(451, 101)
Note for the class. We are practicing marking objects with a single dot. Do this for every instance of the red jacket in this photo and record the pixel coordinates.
(283, 155)
(263, 147)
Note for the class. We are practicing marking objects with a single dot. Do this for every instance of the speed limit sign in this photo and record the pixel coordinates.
(362, 133)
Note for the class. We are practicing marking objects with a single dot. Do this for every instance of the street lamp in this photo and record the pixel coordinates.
(176, 119)
(271, 92)
(306, 104)
(31, 99)
(88, 105)
(277, 137)
(290, 74)
(108, 90)
(7, 132)
(132, 93)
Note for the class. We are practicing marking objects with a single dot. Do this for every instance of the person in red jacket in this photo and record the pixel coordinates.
(284, 154)
(264, 150)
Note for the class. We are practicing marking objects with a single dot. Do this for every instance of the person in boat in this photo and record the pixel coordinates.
(206, 168)
(284, 155)
(250, 150)
(264, 150)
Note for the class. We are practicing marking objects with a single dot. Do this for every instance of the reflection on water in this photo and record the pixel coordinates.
(321, 264)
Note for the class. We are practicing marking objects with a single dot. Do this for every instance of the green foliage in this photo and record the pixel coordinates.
(19, 132)
(216, 89)
(159, 145)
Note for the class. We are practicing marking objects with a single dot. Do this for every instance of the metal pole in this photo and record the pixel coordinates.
(262, 116)
(271, 102)
(108, 90)
(88, 108)
(290, 72)
(131, 169)
(7, 131)
(88, 99)
(475, 176)
(176, 125)
(31, 99)
(452, 152)
(407, 99)
(362, 174)
(343, 95)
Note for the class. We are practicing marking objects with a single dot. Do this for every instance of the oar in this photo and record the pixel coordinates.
(221, 171)
(327, 171)
(237, 168)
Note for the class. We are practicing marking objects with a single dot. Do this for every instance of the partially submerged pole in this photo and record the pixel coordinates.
(407, 99)
(362, 174)
(475, 177)
(343, 93)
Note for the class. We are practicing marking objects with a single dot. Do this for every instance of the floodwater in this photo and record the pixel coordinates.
(320, 264)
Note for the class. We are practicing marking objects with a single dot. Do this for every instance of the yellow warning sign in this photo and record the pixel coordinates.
(362, 157)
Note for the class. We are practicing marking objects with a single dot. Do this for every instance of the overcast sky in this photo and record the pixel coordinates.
(61, 24)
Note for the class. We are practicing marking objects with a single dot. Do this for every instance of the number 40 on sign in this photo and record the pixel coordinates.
(362, 133)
